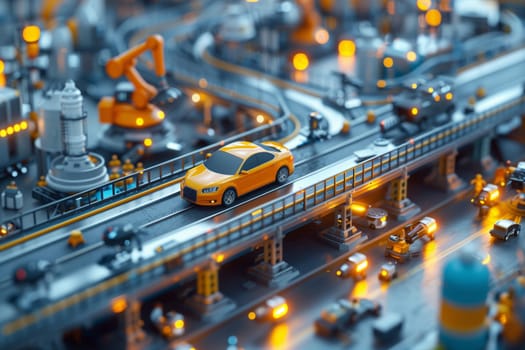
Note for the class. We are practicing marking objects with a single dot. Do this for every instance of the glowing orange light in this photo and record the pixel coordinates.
(2, 66)
(449, 96)
(381, 84)
(139, 121)
(219, 258)
(424, 5)
(23, 125)
(300, 61)
(119, 305)
(486, 260)
(322, 36)
(437, 98)
(414, 111)
(280, 311)
(384, 273)
(195, 97)
(251, 315)
(503, 319)
(411, 56)
(161, 114)
(433, 18)
(494, 195)
(338, 273)
(361, 266)
(346, 48)
(358, 208)
(432, 227)
(31, 34)
(148, 142)
(10, 130)
(388, 62)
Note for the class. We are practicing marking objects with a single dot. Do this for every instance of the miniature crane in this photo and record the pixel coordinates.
(136, 112)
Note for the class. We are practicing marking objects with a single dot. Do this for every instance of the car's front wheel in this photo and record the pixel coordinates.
(282, 175)
(228, 197)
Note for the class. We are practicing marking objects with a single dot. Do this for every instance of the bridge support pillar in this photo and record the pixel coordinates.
(397, 202)
(209, 302)
(444, 175)
(343, 235)
(273, 270)
(481, 154)
(133, 324)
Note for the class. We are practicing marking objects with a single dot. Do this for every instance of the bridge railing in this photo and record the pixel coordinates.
(265, 217)
(277, 211)
(134, 183)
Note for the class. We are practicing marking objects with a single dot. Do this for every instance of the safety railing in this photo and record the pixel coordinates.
(131, 184)
(303, 201)
(250, 224)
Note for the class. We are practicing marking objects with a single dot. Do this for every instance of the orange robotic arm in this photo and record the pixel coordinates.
(124, 64)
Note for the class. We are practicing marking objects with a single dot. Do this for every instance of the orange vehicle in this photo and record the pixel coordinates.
(236, 169)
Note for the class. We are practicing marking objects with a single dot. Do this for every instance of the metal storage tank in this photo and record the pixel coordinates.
(463, 315)
(369, 50)
(49, 124)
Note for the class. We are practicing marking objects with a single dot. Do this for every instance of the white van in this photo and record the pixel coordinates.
(505, 228)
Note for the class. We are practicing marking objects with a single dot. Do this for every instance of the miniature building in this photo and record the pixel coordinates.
(15, 138)
(75, 171)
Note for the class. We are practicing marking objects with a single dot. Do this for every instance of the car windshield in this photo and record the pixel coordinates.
(223, 163)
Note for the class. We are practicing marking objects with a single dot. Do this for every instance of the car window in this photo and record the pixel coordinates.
(268, 147)
(264, 157)
(223, 163)
(257, 159)
(251, 162)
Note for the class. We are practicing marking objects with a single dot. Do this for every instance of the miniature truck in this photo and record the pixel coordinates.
(422, 102)
(505, 228)
(488, 196)
(427, 226)
(355, 267)
(398, 245)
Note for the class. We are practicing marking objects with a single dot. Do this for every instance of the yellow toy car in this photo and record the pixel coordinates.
(236, 169)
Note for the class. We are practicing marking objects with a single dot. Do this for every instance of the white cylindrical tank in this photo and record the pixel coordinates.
(368, 60)
(49, 124)
(73, 121)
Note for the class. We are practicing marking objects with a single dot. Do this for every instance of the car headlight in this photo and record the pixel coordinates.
(210, 189)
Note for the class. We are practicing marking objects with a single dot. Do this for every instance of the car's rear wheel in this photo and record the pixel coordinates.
(282, 175)
(228, 197)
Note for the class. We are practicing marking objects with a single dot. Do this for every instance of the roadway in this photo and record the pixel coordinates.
(160, 214)
(170, 204)
(415, 294)
(153, 209)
